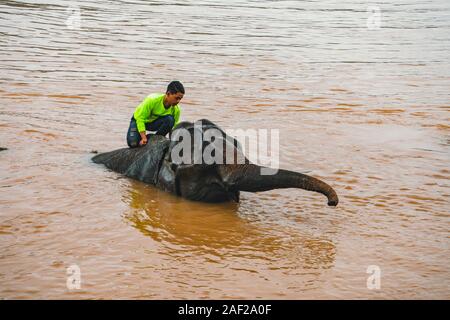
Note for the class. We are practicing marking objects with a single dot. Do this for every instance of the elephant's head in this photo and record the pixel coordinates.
(193, 176)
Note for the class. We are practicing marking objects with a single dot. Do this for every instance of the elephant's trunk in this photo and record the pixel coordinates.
(248, 177)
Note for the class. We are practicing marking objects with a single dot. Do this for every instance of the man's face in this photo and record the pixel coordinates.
(174, 98)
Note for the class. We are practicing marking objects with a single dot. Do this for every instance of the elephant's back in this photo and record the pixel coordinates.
(118, 160)
(138, 163)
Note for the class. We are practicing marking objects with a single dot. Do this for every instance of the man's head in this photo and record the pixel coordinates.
(174, 93)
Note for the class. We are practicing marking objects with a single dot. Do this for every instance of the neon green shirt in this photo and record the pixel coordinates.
(152, 108)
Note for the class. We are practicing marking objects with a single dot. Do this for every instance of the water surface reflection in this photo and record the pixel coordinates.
(221, 231)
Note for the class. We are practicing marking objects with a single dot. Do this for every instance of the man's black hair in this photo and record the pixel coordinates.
(175, 87)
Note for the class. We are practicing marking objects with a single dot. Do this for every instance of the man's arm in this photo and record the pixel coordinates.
(143, 138)
(141, 114)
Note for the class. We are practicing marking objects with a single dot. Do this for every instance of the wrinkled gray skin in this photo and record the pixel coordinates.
(202, 182)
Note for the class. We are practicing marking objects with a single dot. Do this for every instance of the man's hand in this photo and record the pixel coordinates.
(143, 141)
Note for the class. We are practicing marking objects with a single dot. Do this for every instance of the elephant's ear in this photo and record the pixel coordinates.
(179, 171)
(192, 173)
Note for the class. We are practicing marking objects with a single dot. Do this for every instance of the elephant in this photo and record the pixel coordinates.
(221, 181)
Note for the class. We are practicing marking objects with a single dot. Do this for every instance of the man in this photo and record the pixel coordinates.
(158, 112)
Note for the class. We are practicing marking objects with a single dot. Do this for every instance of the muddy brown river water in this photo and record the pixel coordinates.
(363, 106)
